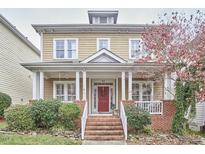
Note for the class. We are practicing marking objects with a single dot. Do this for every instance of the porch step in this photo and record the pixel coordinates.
(104, 123)
(100, 137)
(104, 132)
(104, 128)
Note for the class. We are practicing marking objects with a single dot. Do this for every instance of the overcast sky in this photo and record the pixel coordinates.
(23, 18)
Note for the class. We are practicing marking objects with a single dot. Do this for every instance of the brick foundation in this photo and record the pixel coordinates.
(161, 122)
(164, 122)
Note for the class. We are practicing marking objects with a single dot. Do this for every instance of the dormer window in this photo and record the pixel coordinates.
(103, 17)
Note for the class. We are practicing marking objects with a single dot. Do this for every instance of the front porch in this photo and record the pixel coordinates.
(102, 90)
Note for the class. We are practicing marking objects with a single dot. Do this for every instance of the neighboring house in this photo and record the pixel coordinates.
(97, 63)
(15, 80)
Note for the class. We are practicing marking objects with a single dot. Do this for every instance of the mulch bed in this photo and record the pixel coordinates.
(159, 138)
(2, 119)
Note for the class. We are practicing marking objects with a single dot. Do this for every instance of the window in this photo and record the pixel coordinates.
(64, 90)
(103, 20)
(135, 48)
(71, 48)
(60, 95)
(59, 48)
(142, 91)
(136, 92)
(103, 43)
(65, 48)
(71, 92)
(146, 92)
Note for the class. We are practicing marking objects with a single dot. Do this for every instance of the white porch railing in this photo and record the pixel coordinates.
(123, 119)
(84, 119)
(153, 107)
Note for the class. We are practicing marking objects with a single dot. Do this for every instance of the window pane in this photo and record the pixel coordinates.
(71, 92)
(103, 43)
(59, 48)
(60, 92)
(103, 20)
(135, 48)
(135, 91)
(71, 48)
(146, 91)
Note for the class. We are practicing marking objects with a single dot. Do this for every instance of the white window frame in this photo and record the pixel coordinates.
(130, 47)
(98, 40)
(140, 88)
(96, 20)
(65, 83)
(65, 48)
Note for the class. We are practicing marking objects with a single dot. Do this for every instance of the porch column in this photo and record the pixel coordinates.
(123, 85)
(34, 86)
(77, 84)
(84, 85)
(130, 86)
(41, 85)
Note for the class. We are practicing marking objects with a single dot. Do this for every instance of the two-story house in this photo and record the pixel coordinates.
(97, 63)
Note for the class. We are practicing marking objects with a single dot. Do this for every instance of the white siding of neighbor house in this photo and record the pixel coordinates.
(199, 119)
(15, 80)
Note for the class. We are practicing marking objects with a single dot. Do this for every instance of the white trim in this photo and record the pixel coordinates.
(130, 86)
(103, 51)
(41, 46)
(34, 85)
(116, 90)
(97, 43)
(140, 88)
(123, 85)
(65, 48)
(64, 82)
(77, 85)
(131, 39)
(84, 85)
(41, 85)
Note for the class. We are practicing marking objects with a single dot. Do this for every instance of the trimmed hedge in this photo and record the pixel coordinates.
(45, 113)
(5, 102)
(137, 118)
(19, 117)
(68, 114)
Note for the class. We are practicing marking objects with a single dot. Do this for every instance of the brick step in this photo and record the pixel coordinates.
(107, 137)
(104, 123)
(104, 132)
(103, 120)
(103, 127)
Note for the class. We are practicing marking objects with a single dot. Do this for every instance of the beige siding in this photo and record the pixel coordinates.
(15, 80)
(119, 44)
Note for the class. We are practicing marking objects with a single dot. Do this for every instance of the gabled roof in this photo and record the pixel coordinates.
(104, 56)
(15, 31)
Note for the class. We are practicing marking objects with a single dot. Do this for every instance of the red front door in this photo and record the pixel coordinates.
(103, 99)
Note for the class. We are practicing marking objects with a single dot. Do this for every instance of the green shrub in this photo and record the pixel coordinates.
(19, 117)
(137, 118)
(68, 114)
(45, 113)
(5, 102)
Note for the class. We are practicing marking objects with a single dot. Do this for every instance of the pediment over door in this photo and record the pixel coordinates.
(104, 56)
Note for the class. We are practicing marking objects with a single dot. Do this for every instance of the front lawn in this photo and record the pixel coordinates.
(16, 139)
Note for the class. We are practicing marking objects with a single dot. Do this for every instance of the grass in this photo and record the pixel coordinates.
(16, 139)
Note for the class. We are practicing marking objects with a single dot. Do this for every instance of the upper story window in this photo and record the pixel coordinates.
(103, 20)
(103, 43)
(135, 48)
(65, 48)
